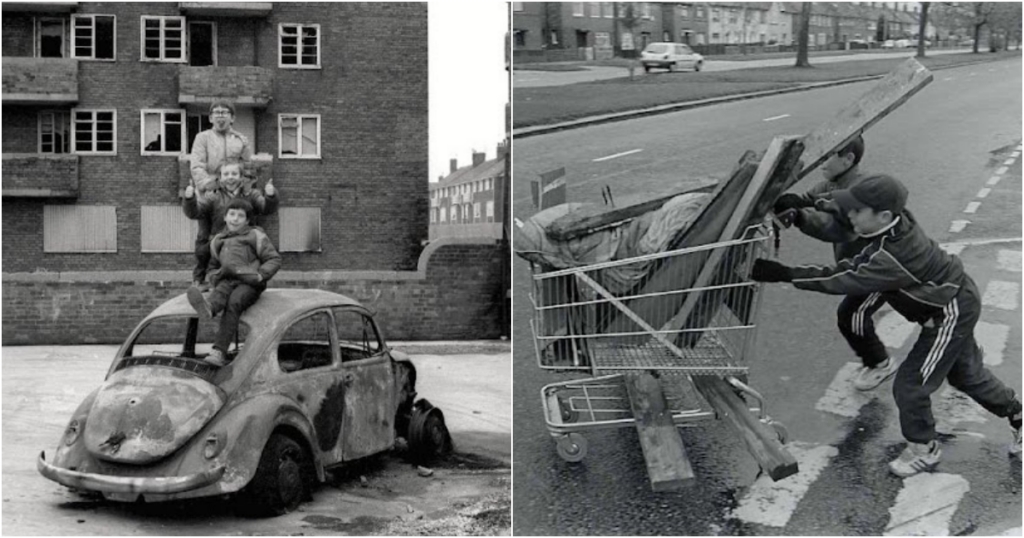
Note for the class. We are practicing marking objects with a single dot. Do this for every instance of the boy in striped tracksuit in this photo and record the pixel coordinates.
(927, 286)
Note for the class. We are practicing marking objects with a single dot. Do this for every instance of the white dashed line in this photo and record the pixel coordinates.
(952, 248)
(1015, 154)
(958, 226)
(773, 503)
(1001, 170)
(984, 192)
(1000, 294)
(1009, 162)
(893, 330)
(841, 398)
(773, 118)
(617, 155)
(972, 207)
(993, 180)
(948, 78)
(925, 505)
(1008, 260)
(992, 338)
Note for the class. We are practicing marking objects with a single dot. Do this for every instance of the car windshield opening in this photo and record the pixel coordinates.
(181, 337)
(657, 49)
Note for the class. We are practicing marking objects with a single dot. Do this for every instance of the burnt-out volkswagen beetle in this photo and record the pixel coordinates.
(311, 385)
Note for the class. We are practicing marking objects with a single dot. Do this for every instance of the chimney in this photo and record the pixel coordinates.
(479, 158)
(454, 165)
(500, 151)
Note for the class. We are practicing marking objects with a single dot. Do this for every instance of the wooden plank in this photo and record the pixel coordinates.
(889, 94)
(668, 468)
(760, 440)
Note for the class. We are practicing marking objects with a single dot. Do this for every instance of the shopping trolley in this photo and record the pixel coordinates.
(683, 317)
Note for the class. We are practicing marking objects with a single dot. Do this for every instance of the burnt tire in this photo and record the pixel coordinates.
(428, 435)
(279, 485)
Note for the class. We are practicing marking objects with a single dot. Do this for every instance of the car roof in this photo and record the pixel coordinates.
(278, 303)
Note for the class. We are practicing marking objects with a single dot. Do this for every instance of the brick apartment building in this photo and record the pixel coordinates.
(101, 102)
(467, 202)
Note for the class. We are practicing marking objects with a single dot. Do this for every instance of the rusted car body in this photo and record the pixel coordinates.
(312, 385)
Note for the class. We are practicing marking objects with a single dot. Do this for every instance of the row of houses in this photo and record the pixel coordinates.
(467, 201)
(597, 30)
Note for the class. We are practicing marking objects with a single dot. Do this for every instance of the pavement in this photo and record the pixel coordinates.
(468, 381)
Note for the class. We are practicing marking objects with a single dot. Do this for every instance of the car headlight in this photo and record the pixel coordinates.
(73, 432)
(213, 445)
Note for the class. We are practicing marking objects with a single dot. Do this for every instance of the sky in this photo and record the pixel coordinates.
(468, 82)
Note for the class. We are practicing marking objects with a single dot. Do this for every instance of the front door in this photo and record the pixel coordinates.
(369, 423)
(202, 39)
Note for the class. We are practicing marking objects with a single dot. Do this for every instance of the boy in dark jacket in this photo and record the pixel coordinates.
(855, 312)
(242, 261)
(927, 286)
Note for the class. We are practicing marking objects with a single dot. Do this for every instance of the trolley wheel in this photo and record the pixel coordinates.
(571, 447)
(569, 415)
(780, 430)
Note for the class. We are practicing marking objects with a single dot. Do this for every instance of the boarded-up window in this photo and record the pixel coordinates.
(300, 229)
(166, 229)
(79, 228)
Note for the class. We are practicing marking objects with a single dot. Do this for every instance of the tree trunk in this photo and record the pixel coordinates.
(921, 29)
(977, 37)
(803, 37)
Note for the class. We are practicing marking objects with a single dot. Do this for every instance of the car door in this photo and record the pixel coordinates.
(688, 58)
(369, 412)
(307, 354)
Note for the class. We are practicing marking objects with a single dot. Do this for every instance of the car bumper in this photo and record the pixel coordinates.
(126, 484)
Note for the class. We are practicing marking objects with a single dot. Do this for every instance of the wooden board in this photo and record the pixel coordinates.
(887, 95)
(668, 468)
(760, 440)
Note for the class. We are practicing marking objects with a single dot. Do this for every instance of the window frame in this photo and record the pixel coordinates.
(367, 321)
(579, 9)
(49, 248)
(332, 341)
(298, 155)
(163, 114)
(65, 35)
(188, 37)
(74, 131)
(67, 132)
(92, 46)
(298, 54)
(162, 29)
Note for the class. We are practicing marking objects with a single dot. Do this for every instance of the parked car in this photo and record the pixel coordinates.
(905, 43)
(311, 385)
(889, 44)
(670, 56)
(859, 44)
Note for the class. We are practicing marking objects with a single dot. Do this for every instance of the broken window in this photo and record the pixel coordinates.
(299, 136)
(306, 344)
(93, 37)
(50, 36)
(357, 336)
(162, 132)
(54, 132)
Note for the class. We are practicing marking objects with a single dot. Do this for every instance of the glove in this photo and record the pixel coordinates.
(789, 217)
(790, 201)
(769, 271)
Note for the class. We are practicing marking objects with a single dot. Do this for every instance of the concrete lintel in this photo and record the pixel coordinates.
(238, 100)
(39, 193)
(38, 98)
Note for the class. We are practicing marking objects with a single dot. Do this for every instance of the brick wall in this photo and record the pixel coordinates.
(17, 34)
(32, 171)
(40, 76)
(451, 296)
(222, 82)
(20, 129)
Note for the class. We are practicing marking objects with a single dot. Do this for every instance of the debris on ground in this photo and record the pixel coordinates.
(424, 472)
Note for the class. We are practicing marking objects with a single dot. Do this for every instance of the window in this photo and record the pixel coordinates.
(93, 37)
(490, 210)
(357, 336)
(299, 229)
(595, 10)
(520, 37)
(608, 10)
(645, 10)
(163, 132)
(307, 344)
(299, 46)
(54, 132)
(202, 43)
(732, 16)
(700, 38)
(715, 37)
(163, 39)
(79, 228)
(195, 124)
(433, 216)
(443, 215)
(554, 37)
(684, 12)
(577, 9)
(50, 36)
(700, 12)
(166, 229)
(298, 136)
(476, 210)
(715, 14)
(517, 6)
(466, 215)
(762, 17)
(455, 214)
(94, 131)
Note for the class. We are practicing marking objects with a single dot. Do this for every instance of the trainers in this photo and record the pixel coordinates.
(216, 358)
(196, 299)
(916, 458)
(1015, 423)
(869, 378)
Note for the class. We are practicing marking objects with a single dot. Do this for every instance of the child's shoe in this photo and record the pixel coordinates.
(869, 378)
(916, 458)
(1015, 423)
(196, 299)
(216, 358)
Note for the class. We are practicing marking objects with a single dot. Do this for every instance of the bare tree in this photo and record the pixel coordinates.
(982, 12)
(1005, 23)
(803, 36)
(923, 24)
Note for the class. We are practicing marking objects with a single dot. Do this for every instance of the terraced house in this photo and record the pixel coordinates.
(101, 102)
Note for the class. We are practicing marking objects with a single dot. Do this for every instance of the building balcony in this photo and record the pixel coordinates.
(33, 175)
(227, 9)
(41, 7)
(39, 81)
(242, 85)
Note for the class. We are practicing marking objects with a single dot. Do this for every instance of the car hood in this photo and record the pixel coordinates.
(144, 413)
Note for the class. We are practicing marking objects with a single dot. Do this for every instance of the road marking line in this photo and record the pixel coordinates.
(925, 505)
(984, 192)
(948, 78)
(953, 408)
(1008, 260)
(992, 338)
(958, 226)
(893, 330)
(1001, 170)
(955, 247)
(617, 155)
(1001, 294)
(773, 503)
(1009, 162)
(993, 180)
(841, 398)
(1015, 154)
(972, 207)
(951, 248)
(773, 118)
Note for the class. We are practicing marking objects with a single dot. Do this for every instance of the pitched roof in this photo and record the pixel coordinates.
(467, 174)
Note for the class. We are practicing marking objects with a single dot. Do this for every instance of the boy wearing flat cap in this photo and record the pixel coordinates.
(927, 286)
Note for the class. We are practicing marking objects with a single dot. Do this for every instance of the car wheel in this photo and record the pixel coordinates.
(647, 68)
(697, 66)
(428, 435)
(279, 485)
(671, 67)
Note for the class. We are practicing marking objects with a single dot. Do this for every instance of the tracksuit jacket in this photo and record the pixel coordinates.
(247, 250)
(818, 224)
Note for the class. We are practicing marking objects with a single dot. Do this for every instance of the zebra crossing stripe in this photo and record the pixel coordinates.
(1001, 294)
(926, 504)
(893, 330)
(773, 503)
(1008, 260)
(992, 338)
(953, 408)
(841, 398)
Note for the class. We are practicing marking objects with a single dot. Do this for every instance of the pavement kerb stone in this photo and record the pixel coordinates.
(452, 347)
(524, 132)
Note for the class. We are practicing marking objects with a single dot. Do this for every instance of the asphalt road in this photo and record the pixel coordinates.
(947, 144)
